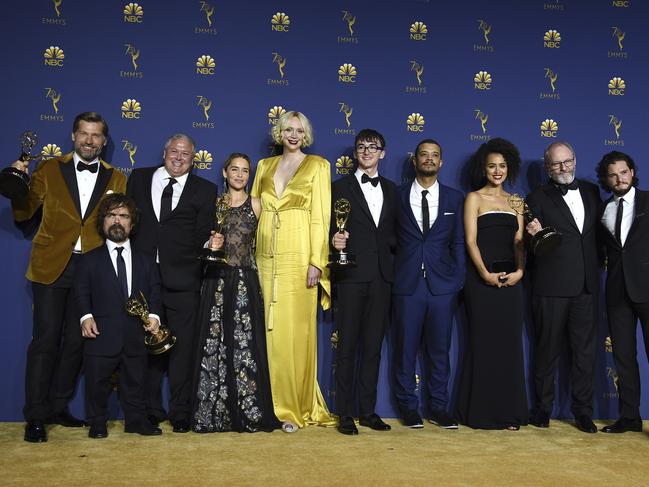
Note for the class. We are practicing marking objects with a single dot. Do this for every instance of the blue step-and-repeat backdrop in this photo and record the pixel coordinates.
(459, 71)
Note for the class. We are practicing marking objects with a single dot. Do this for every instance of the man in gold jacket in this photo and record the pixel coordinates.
(68, 190)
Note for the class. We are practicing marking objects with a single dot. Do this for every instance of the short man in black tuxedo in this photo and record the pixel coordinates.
(176, 217)
(363, 292)
(106, 277)
(66, 190)
(565, 285)
(625, 235)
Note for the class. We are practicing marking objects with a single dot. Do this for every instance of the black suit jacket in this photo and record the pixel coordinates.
(372, 246)
(628, 266)
(97, 291)
(180, 237)
(575, 264)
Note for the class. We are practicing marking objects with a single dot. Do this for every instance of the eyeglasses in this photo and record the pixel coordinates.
(568, 163)
(372, 148)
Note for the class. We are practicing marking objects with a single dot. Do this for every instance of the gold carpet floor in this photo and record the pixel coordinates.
(556, 457)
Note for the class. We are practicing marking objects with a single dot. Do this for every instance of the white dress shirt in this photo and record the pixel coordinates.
(159, 181)
(128, 262)
(576, 206)
(86, 184)
(610, 214)
(433, 202)
(373, 195)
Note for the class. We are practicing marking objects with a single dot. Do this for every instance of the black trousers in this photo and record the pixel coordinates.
(98, 371)
(362, 315)
(55, 352)
(557, 319)
(180, 310)
(623, 318)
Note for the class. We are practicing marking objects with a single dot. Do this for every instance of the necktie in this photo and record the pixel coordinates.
(121, 272)
(565, 187)
(366, 179)
(425, 217)
(618, 220)
(82, 166)
(165, 201)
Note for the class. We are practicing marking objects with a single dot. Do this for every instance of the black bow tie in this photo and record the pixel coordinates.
(366, 179)
(82, 166)
(563, 188)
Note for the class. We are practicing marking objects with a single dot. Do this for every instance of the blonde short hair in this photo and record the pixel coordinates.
(276, 131)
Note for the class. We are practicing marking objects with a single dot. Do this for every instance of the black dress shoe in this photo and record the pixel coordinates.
(623, 425)
(375, 422)
(144, 428)
(35, 432)
(98, 430)
(540, 419)
(181, 426)
(346, 426)
(64, 418)
(585, 424)
(154, 420)
(443, 420)
(411, 419)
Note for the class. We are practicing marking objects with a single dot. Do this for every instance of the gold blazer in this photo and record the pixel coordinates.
(54, 188)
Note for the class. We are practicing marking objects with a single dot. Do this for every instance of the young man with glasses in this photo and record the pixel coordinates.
(565, 285)
(362, 293)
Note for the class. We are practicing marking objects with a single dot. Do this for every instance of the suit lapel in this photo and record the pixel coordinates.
(357, 192)
(555, 195)
(639, 210)
(185, 195)
(100, 185)
(70, 178)
(405, 200)
(386, 198)
(440, 207)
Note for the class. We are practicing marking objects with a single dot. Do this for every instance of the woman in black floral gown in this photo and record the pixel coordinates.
(232, 387)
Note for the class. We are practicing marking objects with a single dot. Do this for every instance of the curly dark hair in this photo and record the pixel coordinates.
(111, 202)
(611, 158)
(478, 161)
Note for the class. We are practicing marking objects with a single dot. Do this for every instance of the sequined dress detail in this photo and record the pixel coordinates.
(232, 385)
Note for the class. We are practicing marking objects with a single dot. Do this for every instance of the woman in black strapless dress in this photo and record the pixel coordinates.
(492, 389)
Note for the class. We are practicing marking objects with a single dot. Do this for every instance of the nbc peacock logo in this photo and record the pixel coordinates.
(549, 128)
(347, 73)
(203, 160)
(344, 165)
(616, 86)
(280, 22)
(274, 113)
(51, 150)
(205, 65)
(133, 13)
(54, 56)
(418, 31)
(552, 39)
(131, 109)
(415, 122)
(482, 81)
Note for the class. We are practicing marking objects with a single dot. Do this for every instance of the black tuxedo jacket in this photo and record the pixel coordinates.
(628, 266)
(372, 246)
(97, 291)
(180, 237)
(575, 265)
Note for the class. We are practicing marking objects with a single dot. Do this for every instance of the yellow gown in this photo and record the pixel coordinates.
(293, 232)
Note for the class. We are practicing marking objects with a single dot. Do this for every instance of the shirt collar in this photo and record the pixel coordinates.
(629, 197)
(419, 188)
(78, 160)
(113, 245)
(164, 176)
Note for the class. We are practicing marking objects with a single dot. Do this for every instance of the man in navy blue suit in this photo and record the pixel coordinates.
(106, 277)
(429, 273)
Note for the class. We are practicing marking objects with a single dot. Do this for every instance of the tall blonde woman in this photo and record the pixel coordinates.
(292, 247)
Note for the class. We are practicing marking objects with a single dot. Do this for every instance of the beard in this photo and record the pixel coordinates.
(116, 233)
(88, 154)
(427, 172)
(564, 177)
